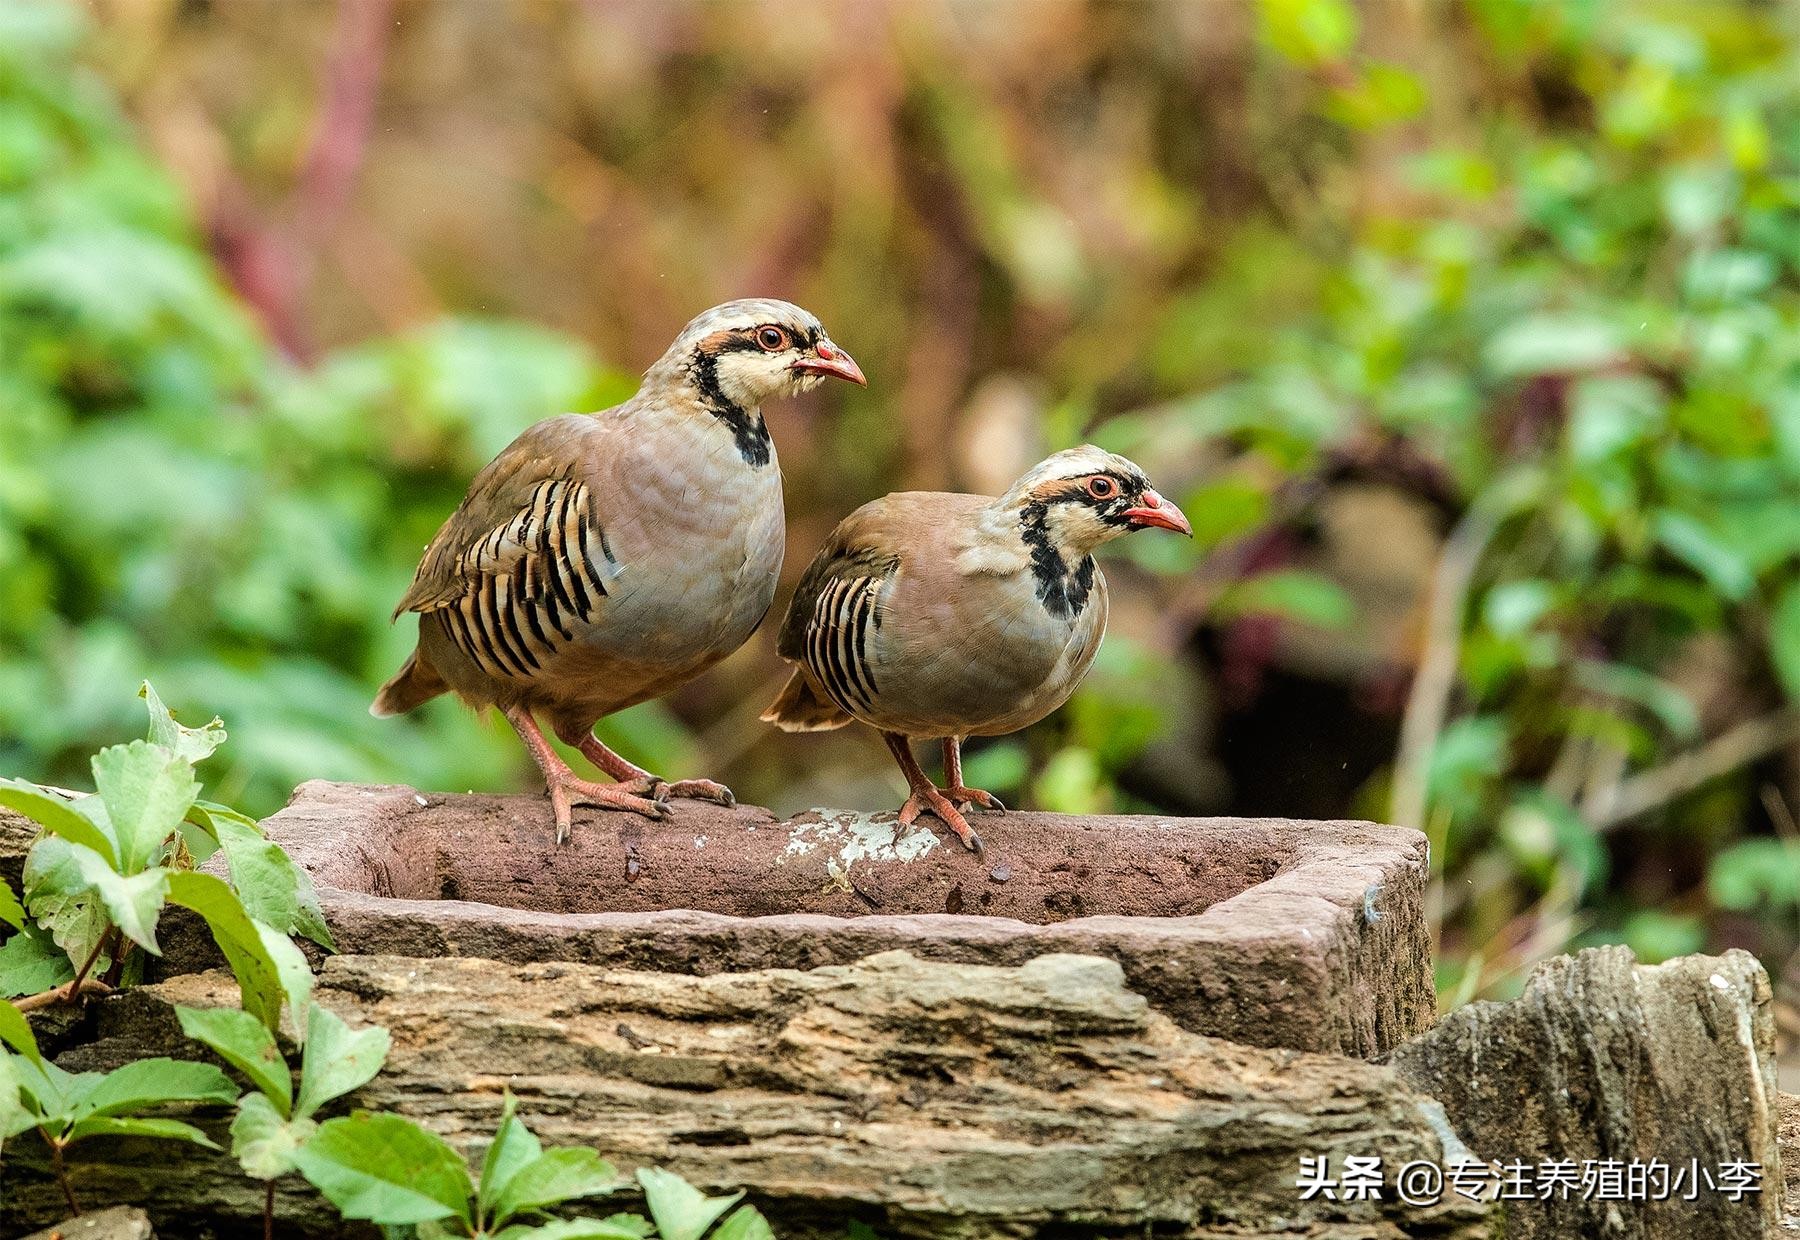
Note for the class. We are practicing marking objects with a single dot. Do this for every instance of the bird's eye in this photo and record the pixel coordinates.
(1102, 487)
(773, 339)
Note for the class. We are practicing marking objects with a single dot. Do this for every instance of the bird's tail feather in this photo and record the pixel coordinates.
(802, 708)
(416, 682)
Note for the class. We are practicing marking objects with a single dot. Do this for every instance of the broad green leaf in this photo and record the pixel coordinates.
(1290, 594)
(189, 744)
(386, 1169)
(147, 790)
(1691, 542)
(1548, 343)
(246, 1044)
(15, 1031)
(745, 1223)
(11, 911)
(261, 982)
(295, 974)
(57, 816)
(134, 903)
(616, 1227)
(555, 1176)
(15, 1117)
(681, 1211)
(513, 1147)
(31, 962)
(1755, 872)
(338, 1059)
(1784, 640)
(150, 1082)
(50, 1090)
(264, 1143)
(274, 890)
(166, 1129)
(62, 900)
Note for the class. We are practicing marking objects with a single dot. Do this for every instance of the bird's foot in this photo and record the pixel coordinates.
(563, 792)
(930, 800)
(702, 790)
(975, 796)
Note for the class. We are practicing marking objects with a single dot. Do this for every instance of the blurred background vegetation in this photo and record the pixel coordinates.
(1467, 333)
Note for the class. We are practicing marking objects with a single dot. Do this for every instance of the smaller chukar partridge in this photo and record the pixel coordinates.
(939, 616)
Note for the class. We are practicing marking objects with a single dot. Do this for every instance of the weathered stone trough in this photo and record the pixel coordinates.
(1307, 935)
(1103, 1027)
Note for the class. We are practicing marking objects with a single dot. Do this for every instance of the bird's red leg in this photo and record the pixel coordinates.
(634, 778)
(955, 789)
(925, 795)
(564, 785)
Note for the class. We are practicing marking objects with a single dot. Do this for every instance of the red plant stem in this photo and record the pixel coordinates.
(269, 1211)
(62, 1173)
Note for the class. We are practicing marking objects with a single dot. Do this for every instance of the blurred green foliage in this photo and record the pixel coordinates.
(177, 500)
(1535, 266)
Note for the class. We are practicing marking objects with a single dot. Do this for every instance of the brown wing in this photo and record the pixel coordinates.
(522, 564)
(836, 609)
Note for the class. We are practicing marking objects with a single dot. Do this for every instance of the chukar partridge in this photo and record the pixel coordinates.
(604, 559)
(938, 616)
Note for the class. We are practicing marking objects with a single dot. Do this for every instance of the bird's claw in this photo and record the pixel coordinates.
(936, 803)
(975, 796)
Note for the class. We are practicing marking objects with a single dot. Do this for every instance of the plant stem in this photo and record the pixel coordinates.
(269, 1211)
(62, 1174)
(88, 964)
(50, 998)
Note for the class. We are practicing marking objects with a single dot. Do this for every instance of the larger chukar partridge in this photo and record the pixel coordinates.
(604, 559)
(937, 616)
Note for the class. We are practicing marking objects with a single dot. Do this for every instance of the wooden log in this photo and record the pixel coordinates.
(928, 1098)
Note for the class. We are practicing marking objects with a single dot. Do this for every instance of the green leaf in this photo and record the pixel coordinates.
(513, 1147)
(262, 981)
(164, 1129)
(134, 903)
(338, 1059)
(63, 901)
(15, 1116)
(1755, 872)
(189, 744)
(11, 911)
(555, 1176)
(147, 790)
(745, 1223)
(1691, 542)
(1547, 343)
(1292, 594)
(57, 816)
(30, 962)
(1784, 640)
(15, 1031)
(1669, 704)
(615, 1227)
(386, 1169)
(681, 1211)
(264, 1143)
(150, 1082)
(50, 1090)
(246, 1044)
(274, 890)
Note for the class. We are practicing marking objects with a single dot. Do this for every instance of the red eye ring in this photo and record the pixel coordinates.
(771, 339)
(1102, 487)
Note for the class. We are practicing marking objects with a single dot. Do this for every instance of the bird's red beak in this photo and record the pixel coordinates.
(1157, 511)
(828, 359)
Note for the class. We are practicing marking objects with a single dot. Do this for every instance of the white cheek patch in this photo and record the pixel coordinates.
(744, 375)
